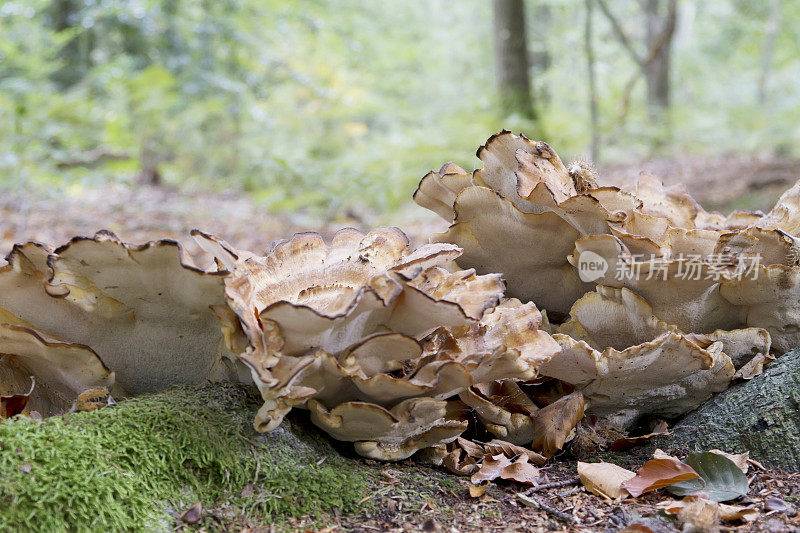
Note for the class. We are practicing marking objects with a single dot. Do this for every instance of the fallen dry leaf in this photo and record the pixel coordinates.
(777, 504)
(15, 404)
(659, 473)
(521, 471)
(459, 462)
(699, 515)
(727, 513)
(753, 367)
(553, 424)
(500, 466)
(604, 479)
(192, 514)
(661, 454)
(471, 448)
(629, 442)
(476, 491)
(496, 446)
(491, 467)
(742, 460)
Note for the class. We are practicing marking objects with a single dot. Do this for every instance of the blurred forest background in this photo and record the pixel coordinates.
(337, 108)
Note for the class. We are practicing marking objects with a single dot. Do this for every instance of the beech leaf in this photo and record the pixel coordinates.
(657, 474)
(727, 513)
(511, 450)
(604, 479)
(553, 424)
(721, 479)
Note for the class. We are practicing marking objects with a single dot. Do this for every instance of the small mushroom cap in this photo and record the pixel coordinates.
(671, 203)
(514, 165)
(785, 215)
(437, 191)
(391, 434)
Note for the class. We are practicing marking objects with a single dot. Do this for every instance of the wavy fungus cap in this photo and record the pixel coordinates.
(628, 363)
(55, 372)
(521, 213)
(144, 310)
(366, 326)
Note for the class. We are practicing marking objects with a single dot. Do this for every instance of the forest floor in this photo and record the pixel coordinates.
(501, 509)
(145, 462)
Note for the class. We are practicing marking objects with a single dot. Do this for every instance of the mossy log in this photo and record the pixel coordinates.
(761, 416)
(139, 464)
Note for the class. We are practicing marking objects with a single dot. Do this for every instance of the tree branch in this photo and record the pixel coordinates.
(620, 33)
(665, 35)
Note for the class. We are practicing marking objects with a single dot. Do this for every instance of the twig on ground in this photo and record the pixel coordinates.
(570, 492)
(258, 465)
(553, 485)
(536, 504)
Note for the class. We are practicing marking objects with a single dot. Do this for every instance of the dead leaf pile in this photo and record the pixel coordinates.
(704, 479)
(493, 460)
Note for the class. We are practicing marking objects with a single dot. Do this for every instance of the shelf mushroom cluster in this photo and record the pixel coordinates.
(661, 303)
(547, 296)
(374, 339)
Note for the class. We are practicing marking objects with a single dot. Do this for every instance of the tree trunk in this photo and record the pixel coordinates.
(761, 416)
(62, 13)
(770, 36)
(660, 31)
(587, 37)
(511, 57)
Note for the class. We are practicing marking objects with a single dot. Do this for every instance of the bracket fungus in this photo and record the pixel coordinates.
(144, 312)
(667, 302)
(373, 337)
(628, 363)
(521, 214)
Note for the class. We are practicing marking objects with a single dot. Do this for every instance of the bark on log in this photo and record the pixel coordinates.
(761, 416)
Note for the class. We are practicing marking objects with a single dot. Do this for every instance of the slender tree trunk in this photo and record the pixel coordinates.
(770, 36)
(660, 31)
(62, 13)
(539, 57)
(511, 57)
(589, 47)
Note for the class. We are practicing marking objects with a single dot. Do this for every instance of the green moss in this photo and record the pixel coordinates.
(135, 465)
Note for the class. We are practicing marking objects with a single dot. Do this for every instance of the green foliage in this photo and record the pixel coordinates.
(327, 106)
(720, 478)
(123, 468)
